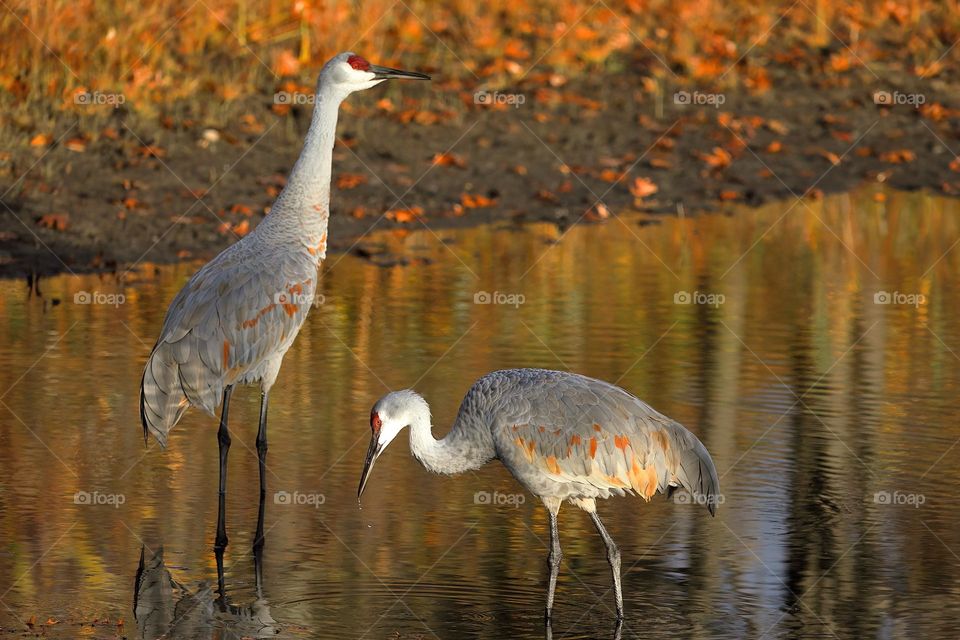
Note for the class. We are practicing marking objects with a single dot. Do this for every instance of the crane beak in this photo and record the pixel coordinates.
(372, 452)
(386, 73)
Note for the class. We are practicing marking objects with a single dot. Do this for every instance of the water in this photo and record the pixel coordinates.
(816, 403)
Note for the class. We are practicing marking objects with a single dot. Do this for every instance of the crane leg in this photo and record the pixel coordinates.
(223, 439)
(613, 557)
(262, 456)
(555, 556)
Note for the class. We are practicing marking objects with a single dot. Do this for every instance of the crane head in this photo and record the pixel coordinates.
(349, 72)
(388, 418)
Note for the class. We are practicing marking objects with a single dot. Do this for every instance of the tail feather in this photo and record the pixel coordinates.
(697, 474)
(170, 386)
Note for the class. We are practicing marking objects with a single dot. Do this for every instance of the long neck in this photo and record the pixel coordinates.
(304, 202)
(467, 446)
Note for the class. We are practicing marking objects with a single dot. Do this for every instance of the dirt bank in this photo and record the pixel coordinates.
(123, 189)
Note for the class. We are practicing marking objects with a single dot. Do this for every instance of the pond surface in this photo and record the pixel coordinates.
(832, 418)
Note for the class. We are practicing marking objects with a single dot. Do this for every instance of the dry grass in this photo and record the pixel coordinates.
(157, 52)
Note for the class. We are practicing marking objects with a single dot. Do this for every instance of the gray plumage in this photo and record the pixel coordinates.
(234, 320)
(563, 436)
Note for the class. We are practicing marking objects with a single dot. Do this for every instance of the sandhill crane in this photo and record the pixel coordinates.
(165, 608)
(234, 320)
(563, 436)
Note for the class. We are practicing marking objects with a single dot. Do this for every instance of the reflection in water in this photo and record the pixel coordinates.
(830, 414)
(163, 607)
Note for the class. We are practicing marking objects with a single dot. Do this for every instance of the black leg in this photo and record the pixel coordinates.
(613, 557)
(262, 455)
(223, 438)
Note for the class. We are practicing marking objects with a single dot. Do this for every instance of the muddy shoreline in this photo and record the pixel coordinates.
(122, 189)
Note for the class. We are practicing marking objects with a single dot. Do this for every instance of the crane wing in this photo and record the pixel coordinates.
(584, 431)
(230, 321)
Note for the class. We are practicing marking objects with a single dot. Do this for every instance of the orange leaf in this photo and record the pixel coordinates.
(598, 213)
(55, 221)
(718, 159)
(609, 175)
(775, 147)
(404, 215)
(547, 196)
(40, 140)
(448, 160)
(350, 180)
(829, 155)
(476, 201)
(643, 187)
(151, 150)
(77, 145)
(242, 229)
(899, 156)
(286, 64)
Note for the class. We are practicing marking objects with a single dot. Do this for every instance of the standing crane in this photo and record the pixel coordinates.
(234, 320)
(563, 436)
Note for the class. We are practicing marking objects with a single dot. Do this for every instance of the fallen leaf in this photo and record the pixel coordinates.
(476, 201)
(448, 160)
(404, 215)
(77, 145)
(775, 147)
(545, 195)
(40, 140)
(899, 156)
(597, 213)
(242, 229)
(719, 158)
(147, 151)
(350, 180)
(643, 187)
(55, 221)
(829, 155)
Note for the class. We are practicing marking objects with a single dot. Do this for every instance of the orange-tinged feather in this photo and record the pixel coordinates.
(552, 465)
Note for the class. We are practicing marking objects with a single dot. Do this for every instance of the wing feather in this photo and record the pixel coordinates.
(227, 324)
(589, 433)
